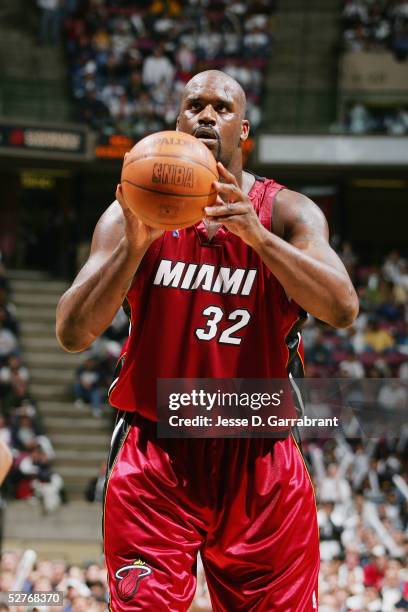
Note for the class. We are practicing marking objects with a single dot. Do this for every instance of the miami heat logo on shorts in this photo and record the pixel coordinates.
(129, 577)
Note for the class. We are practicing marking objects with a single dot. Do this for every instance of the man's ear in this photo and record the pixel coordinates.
(244, 130)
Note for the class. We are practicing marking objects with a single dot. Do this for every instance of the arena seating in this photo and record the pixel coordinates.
(377, 27)
(128, 63)
(378, 338)
(21, 427)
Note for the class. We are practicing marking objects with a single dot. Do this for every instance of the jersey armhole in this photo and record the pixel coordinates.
(266, 208)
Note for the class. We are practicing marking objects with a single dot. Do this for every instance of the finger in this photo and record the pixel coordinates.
(227, 219)
(226, 209)
(233, 192)
(120, 197)
(218, 202)
(228, 176)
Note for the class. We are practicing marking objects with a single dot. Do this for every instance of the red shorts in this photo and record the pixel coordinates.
(246, 504)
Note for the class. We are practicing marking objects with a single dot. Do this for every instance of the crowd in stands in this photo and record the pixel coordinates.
(376, 25)
(379, 337)
(94, 375)
(32, 475)
(364, 119)
(129, 61)
(362, 485)
(84, 588)
(362, 494)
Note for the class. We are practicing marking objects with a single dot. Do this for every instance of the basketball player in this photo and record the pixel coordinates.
(247, 504)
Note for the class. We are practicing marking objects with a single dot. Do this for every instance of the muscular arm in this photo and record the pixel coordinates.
(297, 252)
(304, 263)
(118, 245)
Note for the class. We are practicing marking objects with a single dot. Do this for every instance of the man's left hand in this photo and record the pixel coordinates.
(234, 209)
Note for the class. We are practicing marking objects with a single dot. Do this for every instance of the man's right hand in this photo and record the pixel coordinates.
(138, 234)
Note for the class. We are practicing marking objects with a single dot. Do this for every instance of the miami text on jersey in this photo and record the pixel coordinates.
(182, 275)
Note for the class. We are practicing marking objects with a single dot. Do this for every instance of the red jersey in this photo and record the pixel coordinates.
(205, 309)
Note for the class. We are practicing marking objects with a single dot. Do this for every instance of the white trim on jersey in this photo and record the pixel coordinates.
(297, 391)
(115, 431)
(113, 383)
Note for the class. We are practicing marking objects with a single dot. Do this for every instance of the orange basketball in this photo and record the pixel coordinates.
(167, 180)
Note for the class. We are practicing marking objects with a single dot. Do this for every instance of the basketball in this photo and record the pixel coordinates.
(167, 180)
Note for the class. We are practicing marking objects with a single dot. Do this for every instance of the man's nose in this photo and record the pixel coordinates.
(207, 115)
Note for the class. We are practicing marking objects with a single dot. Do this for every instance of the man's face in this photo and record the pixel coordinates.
(212, 109)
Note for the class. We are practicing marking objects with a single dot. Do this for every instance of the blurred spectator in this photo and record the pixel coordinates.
(399, 43)
(378, 339)
(24, 433)
(50, 21)
(10, 311)
(403, 371)
(93, 111)
(348, 257)
(351, 367)
(329, 531)
(185, 59)
(319, 352)
(35, 477)
(95, 487)
(118, 329)
(12, 374)
(359, 119)
(392, 266)
(157, 68)
(87, 386)
(3, 274)
(8, 340)
(393, 394)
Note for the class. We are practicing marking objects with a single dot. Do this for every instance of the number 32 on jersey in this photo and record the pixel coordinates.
(215, 315)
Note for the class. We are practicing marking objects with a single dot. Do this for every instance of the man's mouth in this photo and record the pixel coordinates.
(207, 135)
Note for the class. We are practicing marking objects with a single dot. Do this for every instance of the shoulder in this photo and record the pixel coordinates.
(291, 210)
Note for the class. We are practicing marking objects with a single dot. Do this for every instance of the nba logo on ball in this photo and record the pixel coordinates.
(167, 180)
(129, 577)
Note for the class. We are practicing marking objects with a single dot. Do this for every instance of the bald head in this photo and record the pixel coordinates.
(218, 79)
(213, 109)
